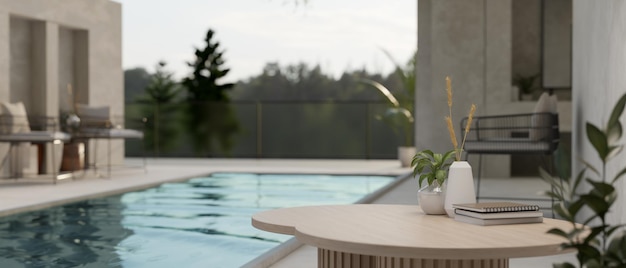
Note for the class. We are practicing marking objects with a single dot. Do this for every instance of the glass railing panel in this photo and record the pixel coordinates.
(271, 130)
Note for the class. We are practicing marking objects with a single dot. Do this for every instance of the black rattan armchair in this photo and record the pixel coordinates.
(532, 133)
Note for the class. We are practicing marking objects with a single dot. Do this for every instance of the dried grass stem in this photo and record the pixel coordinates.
(458, 150)
(470, 117)
(451, 131)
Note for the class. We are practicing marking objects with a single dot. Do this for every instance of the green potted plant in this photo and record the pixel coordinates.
(399, 115)
(525, 85)
(598, 243)
(432, 168)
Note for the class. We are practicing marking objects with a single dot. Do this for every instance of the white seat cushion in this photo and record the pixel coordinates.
(15, 118)
(35, 136)
(110, 133)
(94, 116)
(95, 112)
(540, 124)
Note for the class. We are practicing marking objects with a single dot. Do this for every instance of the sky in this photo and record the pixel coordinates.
(338, 35)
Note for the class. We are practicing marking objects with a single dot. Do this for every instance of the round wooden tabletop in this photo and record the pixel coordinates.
(406, 232)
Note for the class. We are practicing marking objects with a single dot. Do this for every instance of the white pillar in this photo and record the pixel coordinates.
(4, 81)
(5, 56)
(45, 85)
(599, 65)
(469, 40)
(45, 68)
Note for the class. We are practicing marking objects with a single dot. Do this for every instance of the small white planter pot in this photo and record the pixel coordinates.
(405, 155)
(431, 199)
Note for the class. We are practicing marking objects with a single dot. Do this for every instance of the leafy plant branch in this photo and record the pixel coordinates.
(399, 116)
(432, 167)
(598, 243)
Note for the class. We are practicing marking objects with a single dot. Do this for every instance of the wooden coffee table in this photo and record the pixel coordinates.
(403, 236)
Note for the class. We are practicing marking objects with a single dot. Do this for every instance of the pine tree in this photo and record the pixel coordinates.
(210, 117)
(161, 112)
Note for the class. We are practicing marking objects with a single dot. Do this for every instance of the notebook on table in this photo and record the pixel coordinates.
(496, 207)
(477, 221)
(499, 215)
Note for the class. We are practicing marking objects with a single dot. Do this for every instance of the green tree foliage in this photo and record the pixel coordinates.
(306, 99)
(160, 109)
(135, 82)
(303, 83)
(209, 116)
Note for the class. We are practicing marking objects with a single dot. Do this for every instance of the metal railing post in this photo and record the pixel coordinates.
(259, 130)
(156, 130)
(368, 136)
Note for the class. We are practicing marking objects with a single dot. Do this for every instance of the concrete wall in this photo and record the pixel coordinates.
(471, 41)
(557, 50)
(100, 18)
(526, 38)
(599, 65)
(20, 60)
(450, 43)
(46, 44)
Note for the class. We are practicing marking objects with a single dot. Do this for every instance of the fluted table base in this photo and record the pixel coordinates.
(334, 259)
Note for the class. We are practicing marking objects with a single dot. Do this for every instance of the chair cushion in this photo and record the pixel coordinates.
(554, 104)
(543, 105)
(15, 119)
(94, 116)
(540, 124)
(110, 133)
(36, 136)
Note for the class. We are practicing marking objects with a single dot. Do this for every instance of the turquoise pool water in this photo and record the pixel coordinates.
(203, 222)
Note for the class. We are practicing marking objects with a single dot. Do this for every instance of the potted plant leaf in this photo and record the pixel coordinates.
(525, 85)
(399, 115)
(587, 199)
(432, 168)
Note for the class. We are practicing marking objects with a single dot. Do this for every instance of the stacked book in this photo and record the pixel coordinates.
(495, 213)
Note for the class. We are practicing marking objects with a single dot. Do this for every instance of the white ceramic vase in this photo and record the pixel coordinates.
(460, 186)
(430, 198)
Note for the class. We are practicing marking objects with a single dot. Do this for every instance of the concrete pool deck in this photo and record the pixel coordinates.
(36, 193)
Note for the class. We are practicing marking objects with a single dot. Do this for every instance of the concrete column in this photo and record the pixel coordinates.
(557, 36)
(45, 85)
(451, 43)
(5, 56)
(471, 42)
(81, 64)
(599, 64)
(424, 72)
(45, 68)
(497, 75)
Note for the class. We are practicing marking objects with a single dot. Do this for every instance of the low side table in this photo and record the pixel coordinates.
(385, 236)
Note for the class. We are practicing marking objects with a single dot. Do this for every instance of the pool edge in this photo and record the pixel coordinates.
(277, 253)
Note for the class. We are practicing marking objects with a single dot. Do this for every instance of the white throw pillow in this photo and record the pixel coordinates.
(540, 123)
(554, 104)
(543, 104)
(14, 118)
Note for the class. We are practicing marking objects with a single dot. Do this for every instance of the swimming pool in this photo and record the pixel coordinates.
(202, 222)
